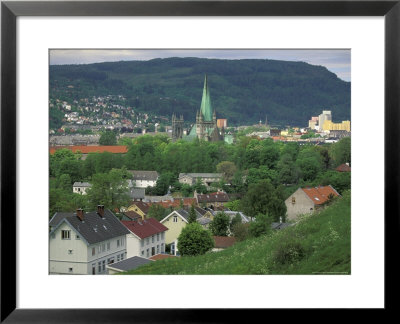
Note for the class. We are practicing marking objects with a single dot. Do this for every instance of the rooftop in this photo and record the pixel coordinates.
(145, 228)
(85, 149)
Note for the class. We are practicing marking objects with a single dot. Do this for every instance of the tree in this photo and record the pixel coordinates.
(341, 151)
(263, 198)
(240, 231)
(109, 189)
(228, 169)
(108, 138)
(261, 226)
(157, 211)
(220, 224)
(194, 240)
(235, 220)
(192, 215)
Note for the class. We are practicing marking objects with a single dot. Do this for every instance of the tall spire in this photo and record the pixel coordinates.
(205, 108)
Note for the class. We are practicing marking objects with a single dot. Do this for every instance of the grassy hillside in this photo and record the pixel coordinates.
(317, 244)
(244, 91)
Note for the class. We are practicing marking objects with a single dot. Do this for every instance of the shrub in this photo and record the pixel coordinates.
(194, 240)
(289, 251)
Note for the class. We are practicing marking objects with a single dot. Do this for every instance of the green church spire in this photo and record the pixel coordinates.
(205, 108)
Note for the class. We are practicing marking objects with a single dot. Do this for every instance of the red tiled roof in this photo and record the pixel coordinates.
(144, 207)
(161, 257)
(213, 197)
(145, 228)
(176, 202)
(85, 149)
(223, 242)
(343, 168)
(319, 195)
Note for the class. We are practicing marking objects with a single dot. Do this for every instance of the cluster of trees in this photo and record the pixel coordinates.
(263, 173)
(241, 89)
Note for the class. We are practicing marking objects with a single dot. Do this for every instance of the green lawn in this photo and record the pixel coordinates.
(317, 244)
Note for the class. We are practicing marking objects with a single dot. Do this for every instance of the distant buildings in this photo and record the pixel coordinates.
(206, 178)
(80, 187)
(326, 115)
(330, 126)
(143, 179)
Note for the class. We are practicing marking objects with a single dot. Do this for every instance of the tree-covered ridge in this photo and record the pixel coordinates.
(243, 91)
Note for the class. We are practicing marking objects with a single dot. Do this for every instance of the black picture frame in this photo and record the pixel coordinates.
(10, 10)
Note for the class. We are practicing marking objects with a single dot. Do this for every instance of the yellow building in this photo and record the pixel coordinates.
(174, 222)
(329, 125)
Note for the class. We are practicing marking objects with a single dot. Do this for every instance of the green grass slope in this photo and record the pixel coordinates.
(318, 244)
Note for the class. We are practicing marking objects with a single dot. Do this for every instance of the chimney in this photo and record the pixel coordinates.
(80, 214)
(100, 210)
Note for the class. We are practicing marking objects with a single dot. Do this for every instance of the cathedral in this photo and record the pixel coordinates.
(205, 127)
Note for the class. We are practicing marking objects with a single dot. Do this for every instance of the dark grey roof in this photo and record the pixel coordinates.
(183, 213)
(57, 218)
(280, 225)
(203, 220)
(201, 175)
(94, 228)
(82, 184)
(130, 263)
(144, 175)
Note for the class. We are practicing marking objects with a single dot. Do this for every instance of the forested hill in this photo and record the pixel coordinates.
(243, 91)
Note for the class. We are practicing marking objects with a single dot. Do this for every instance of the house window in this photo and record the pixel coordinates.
(65, 235)
(108, 246)
(99, 248)
(103, 247)
(93, 268)
(152, 239)
(147, 241)
(141, 243)
(158, 237)
(69, 251)
(104, 265)
(93, 251)
(110, 260)
(122, 241)
(142, 252)
(99, 264)
(147, 253)
(77, 237)
(122, 256)
(175, 219)
(70, 270)
(118, 243)
(162, 235)
(153, 250)
(118, 258)
(293, 200)
(158, 249)
(162, 248)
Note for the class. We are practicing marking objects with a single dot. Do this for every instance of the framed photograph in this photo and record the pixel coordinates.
(357, 41)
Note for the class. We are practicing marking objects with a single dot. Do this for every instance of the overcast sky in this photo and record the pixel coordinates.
(335, 60)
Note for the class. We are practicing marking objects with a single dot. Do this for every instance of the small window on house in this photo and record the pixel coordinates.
(118, 258)
(99, 264)
(99, 248)
(122, 241)
(142, 252)
(70, 270)
(147, 253)
(65, 235)
(158, 249)
(141, 243)
(152, 239)
(69, 251)
(158, 237)
(77, 237)
(175, 219)
(93, 251)
(118, 243)
(103, 247)
(122, 256)
(108, 246)
(162, 235)
(104, 265)
(293, 200)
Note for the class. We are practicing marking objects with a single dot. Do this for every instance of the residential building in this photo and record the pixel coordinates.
(139, 207)
(212, 200)
(326, 115)
(146, 237)
(143, 179)
(308, 200)
(137, 194)
(85, 242)
(175, 221)
(206, 178)
(80, 187)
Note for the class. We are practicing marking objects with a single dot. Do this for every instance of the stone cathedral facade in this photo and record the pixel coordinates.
(205, 127)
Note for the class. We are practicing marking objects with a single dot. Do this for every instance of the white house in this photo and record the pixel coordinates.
(206, 178)
(80, 187)
(143, 179)
(146, 237)
(84, 243)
